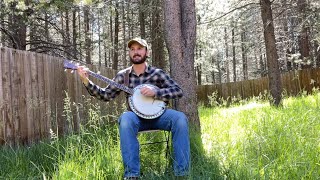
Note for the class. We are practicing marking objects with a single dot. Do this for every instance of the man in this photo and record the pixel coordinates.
(130, 124)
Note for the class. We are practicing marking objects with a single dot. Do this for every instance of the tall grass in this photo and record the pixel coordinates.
(256, 141)
(251, 140)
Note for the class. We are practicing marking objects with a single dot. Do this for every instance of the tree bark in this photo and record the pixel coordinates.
(271, 50)
(17, 26)
(74, 33)
(317, 53)
(124, 34)
(116, 38)
(157, 37)
(1, 21)
(213, 61)
(111, 44)
(304, 45)
(234, 62)
(199, 74)
(227, 54)
(219, 69)
(142, 19)
(244, 55)
(180, 36)
(87, 35)
(66, 39)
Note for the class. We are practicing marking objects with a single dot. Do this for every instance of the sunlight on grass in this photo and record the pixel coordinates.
(248, 141)
(249, 106)
(225, 125)
(256, 140)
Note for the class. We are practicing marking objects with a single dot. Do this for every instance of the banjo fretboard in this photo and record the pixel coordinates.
(111, 82)
(70, 65)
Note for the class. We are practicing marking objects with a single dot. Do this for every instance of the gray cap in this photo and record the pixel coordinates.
(142, 42)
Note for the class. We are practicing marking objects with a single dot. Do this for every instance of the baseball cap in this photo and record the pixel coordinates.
(142, 42)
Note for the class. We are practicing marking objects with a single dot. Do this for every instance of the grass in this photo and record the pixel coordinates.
(251, 140)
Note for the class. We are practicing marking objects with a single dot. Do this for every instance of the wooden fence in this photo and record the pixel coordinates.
(33, 89)
(293, 82)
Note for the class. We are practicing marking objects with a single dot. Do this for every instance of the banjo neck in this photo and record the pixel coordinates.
(70, 65)
(111, 82)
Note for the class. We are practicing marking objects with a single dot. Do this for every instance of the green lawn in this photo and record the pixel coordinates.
(251, 140)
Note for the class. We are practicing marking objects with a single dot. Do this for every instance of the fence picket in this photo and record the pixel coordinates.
(28, 121)
(6, 85)
(18, 97)
(42, 100)
(47, 93)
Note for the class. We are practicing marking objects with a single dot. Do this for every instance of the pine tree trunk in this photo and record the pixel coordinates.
(272, 56)
(157, 37)
(199, 74)
(115, 61)
(304, 45)
(74, 33)
(87, 36)
(244, 55)
(180, 36)
(17, 26)
(67, 44)
(234, 62)
(142, 19)
(227, 54)
(124, 34)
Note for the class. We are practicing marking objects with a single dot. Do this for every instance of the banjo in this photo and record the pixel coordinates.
(143, 106)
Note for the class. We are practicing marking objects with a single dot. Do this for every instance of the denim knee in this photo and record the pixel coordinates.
(182, 120)
(126, 120)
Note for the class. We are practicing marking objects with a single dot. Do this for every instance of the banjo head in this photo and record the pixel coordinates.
(144, 106)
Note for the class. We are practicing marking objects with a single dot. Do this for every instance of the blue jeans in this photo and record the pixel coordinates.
(175, 121)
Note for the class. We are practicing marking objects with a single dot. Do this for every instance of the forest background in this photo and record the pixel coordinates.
(229, 46)
(205, 42)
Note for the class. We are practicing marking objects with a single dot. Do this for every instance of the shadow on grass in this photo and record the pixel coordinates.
(27, 162)
(202, 166)
(44, 159)
(155, 164)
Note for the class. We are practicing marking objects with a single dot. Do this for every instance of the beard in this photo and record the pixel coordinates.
(138, 61)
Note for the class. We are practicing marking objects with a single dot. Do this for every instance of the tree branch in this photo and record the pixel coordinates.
(15, 44)
(231, 11)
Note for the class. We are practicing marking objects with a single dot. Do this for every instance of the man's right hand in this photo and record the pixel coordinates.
(83, 73)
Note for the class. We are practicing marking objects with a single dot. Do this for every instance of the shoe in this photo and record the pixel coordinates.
(131, 178)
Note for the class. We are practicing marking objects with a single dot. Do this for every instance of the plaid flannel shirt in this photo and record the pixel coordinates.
(168, 88)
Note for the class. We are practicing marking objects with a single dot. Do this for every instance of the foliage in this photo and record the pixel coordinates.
(216, 101)
(255, 141)
(248, 141)
(230, 37)
(229, 33)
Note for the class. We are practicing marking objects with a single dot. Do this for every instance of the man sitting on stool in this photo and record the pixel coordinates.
(130, 124)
